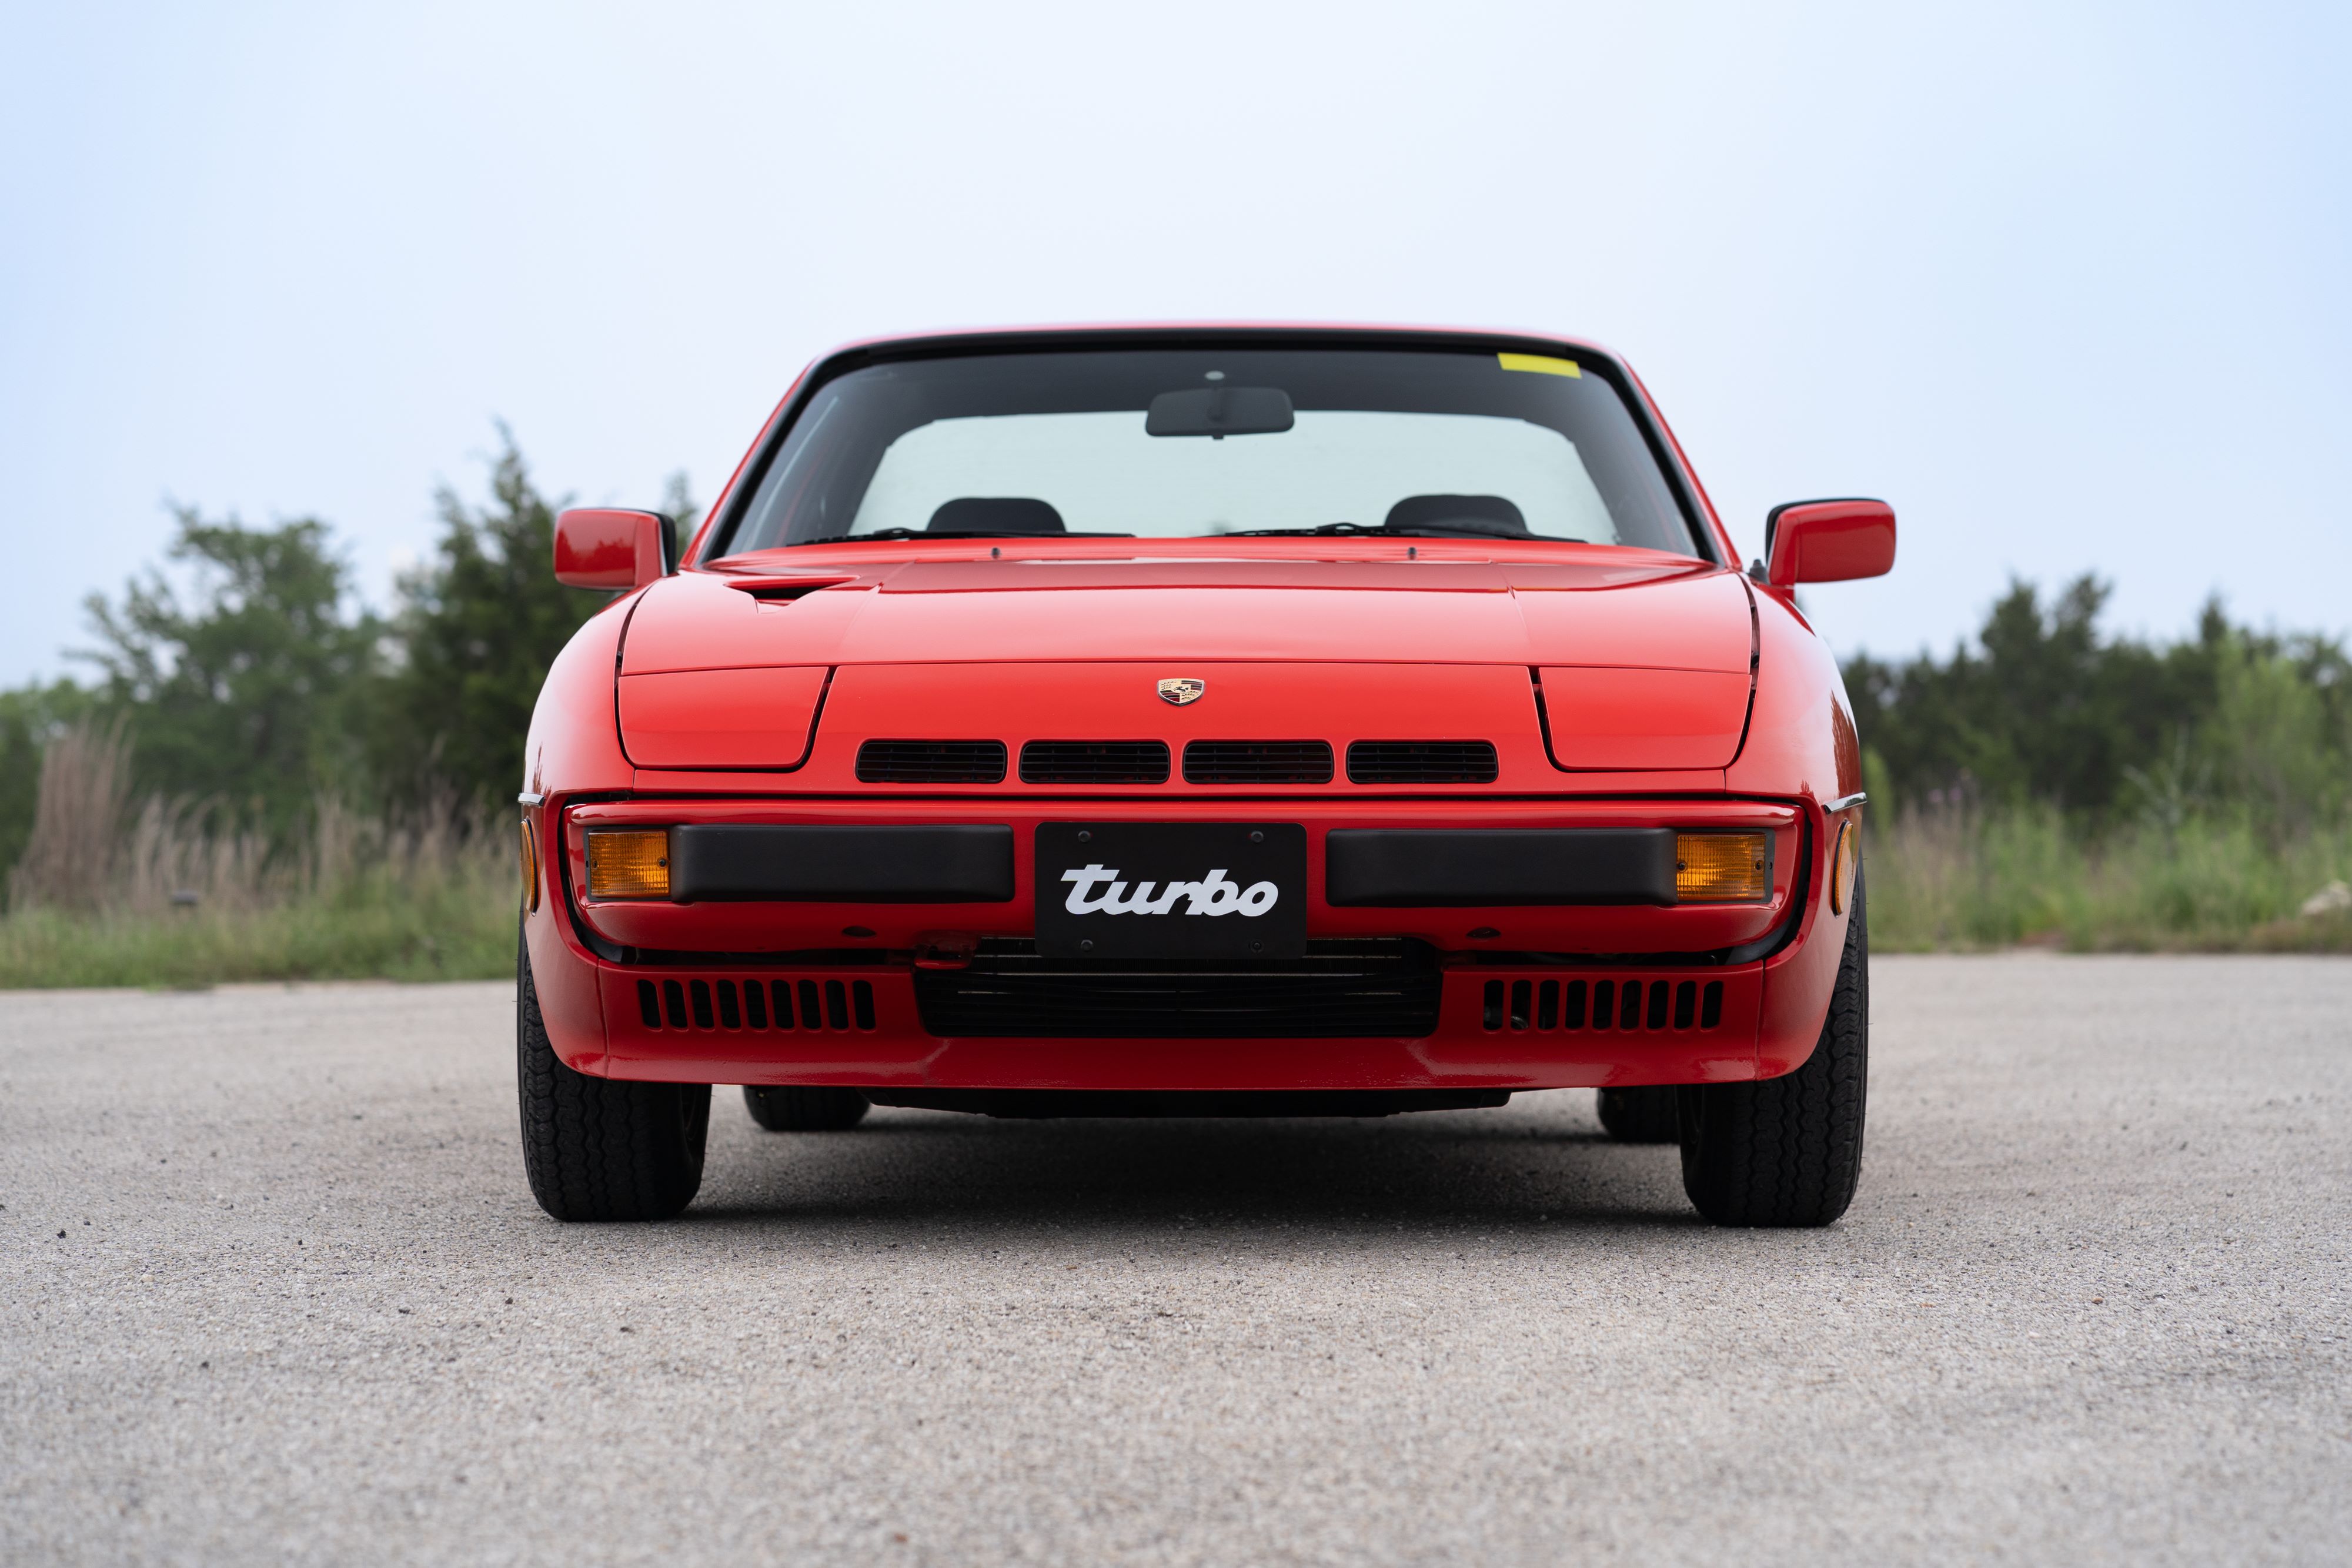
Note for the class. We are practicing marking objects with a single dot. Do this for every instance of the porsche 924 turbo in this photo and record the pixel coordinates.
(1200, 721)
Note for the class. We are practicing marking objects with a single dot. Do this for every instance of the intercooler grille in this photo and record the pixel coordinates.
(931, 762)
(753, 1003)
(1257, 762)
(1422, 762)
(1095, 762)
(1343, 988)
(1624, 1005)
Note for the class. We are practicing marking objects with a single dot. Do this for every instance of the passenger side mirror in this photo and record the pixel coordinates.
(606, 547)
(1828, 542)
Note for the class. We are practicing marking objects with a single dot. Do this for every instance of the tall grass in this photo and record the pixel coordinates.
(1958, 876)
(177, 893)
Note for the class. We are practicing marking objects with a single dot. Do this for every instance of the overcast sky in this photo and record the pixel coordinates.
(2068, 286)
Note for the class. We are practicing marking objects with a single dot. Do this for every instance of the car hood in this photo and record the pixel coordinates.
(1649, 613)
(1637, 665)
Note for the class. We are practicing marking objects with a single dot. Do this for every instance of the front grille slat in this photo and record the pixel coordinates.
(1343, 988)
(1094, 762)
(1257, 762)
(715, 1004)
(1632, 1005)
(931, 762)
(1422, 762)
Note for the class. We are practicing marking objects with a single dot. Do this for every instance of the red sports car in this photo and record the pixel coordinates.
(1200, 721)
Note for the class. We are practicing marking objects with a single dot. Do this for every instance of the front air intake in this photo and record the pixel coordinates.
(757, 1003)
(1627, 1005)
(1422, 762)
(1095, 762)
(1257, 762)
(931, 762)
(1342, 989)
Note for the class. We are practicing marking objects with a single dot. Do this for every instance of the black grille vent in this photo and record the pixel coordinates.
(931, 762)
(800, 1006)
(1422, 762)
(1257, 762)
(1627, 1004)
(1383, 986)
(1095, 762)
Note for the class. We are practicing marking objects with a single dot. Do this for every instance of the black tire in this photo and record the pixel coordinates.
(802, 1108)
(597, 1148)
(1788, 1151)
(1640, 1115)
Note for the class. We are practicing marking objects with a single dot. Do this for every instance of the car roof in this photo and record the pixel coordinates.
(998, 340)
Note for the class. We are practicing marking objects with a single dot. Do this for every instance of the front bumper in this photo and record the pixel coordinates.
(914, 996)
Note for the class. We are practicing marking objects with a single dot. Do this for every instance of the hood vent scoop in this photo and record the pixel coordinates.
(771, 589)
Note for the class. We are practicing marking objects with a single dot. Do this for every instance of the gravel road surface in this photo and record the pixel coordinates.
(271, 1287)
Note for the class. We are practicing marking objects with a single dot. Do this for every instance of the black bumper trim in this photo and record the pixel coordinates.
(737, 863)
(1430, 868)
(1046, 1105)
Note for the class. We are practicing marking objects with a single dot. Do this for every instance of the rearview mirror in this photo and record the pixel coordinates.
(1828, 542)
(606, 547)
(1220, 412)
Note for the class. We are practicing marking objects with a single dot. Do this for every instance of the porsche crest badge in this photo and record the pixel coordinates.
(1182, 689)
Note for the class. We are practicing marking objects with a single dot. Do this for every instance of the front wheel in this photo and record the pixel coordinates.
(1788, 1151)
(597, 1148)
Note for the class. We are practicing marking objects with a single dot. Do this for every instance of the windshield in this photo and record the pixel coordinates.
(1185, 442)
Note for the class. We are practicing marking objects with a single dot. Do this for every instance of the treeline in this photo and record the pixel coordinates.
(2041, 709)
(251, 688)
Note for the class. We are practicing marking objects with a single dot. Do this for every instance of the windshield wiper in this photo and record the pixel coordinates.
(948, 534)
(1300, 533)
(1436, 527)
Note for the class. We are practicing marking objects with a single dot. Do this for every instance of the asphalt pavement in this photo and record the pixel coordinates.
(272, 1289)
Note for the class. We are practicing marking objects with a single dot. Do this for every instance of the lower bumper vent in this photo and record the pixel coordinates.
(1626, 1005)
(800, 1006)
(1382, 988)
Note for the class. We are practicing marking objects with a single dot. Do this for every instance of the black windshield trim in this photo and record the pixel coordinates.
(1680, 482)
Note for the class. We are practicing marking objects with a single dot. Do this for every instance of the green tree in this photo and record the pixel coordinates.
(479, 625)
(2043, 706)
(241, 690)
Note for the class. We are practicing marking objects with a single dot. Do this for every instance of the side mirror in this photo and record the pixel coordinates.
(1828, 542)
(603, 547)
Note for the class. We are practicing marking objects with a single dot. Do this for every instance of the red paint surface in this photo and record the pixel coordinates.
(597, 547)
(1832, 541)
(720, 718)
(1621, 719)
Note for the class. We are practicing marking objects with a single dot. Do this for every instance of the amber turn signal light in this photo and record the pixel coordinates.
(1722, 868)
(1841, 867)
(630, 862)
(530, 869)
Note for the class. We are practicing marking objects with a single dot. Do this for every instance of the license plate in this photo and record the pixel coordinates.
(1171, 890)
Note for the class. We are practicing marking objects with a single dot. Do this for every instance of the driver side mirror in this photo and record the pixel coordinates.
(1828, 542)
(606, 547)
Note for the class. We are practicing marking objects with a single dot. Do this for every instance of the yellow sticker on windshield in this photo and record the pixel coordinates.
(1541, 364)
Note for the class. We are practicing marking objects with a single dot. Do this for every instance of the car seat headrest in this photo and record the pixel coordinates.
(995, 515)
(1490, 514)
